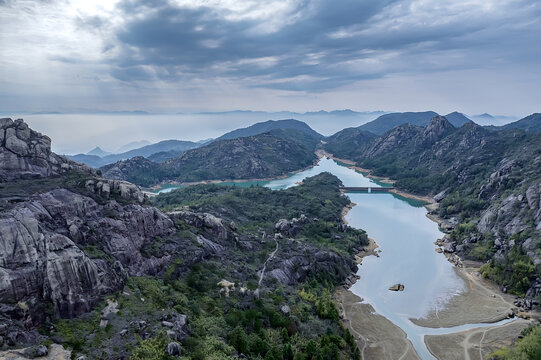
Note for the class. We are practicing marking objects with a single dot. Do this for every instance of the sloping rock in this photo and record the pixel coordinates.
(212, 227)
(43, 258)
(438, 127)
(25, 153)
(294, 262)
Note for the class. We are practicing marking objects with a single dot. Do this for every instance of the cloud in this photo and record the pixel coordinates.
(319, 45)
(285, 47)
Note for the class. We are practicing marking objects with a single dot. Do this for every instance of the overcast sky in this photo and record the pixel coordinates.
(193, 55)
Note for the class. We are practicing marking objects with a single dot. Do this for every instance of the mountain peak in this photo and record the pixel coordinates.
(269, 125)
(98, 152)
(436, 128)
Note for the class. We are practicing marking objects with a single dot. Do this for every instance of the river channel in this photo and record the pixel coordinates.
(406, 240)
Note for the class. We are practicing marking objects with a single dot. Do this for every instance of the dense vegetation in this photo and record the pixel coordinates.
(482, 174)
(527, 348)
(291, 320)
(265, 155)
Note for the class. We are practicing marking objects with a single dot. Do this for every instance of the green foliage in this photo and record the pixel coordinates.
(74, 331)
(515, 272)
(218, 325)
(257, 208)
(277, 153)
(94, 252)
(326, 308)
(153, 348)
(527, 348)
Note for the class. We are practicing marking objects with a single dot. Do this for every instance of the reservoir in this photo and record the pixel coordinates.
(406, 237)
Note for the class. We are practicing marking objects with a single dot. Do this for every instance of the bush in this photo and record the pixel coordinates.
(528, 348)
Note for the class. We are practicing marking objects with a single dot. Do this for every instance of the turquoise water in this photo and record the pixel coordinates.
(405, 237)
(169, 187)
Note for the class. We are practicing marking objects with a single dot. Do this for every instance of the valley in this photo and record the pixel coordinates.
(258, 269)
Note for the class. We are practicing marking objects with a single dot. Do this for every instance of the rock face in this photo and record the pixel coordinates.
(512, 215)
(25, 153)
(121, 169)
(438, 127)
(211, 226)
(106, 188)
(291, 227)
(295, 261)
(395, 138)
(45, 244)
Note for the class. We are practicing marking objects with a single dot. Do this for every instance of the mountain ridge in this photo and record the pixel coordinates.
(264, 155)
(386, 122)
(266, 126)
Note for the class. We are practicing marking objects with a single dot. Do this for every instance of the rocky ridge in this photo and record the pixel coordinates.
(486, 182)
(25, 153)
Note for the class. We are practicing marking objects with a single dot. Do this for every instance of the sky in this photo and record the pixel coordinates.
(473, 56)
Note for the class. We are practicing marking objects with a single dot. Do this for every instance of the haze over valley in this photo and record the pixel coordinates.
(171, 189)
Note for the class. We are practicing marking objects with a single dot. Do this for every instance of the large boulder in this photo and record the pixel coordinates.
(25, 153)
(44, 244)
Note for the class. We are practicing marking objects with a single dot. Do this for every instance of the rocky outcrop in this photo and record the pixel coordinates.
(107, 188)
(395, 138)
(291, 227)
(210, 226)
(66, 248)
(512, 215)
(296, 260)
(26, 154)
(121, 170)
(438, 127)
(497, 180)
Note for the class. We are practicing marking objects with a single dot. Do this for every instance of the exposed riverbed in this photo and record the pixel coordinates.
(405, 236)
(381, 319)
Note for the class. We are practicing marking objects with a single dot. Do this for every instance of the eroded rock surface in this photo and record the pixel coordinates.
(25, 153)
(45, 243)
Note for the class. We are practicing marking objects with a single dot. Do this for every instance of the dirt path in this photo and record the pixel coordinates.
(474, 344)
(265, 264)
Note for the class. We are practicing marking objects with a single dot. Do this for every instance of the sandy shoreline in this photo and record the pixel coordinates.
(376, 336)
(480, 302)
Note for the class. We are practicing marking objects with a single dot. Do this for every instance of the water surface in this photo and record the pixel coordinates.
(405, 237)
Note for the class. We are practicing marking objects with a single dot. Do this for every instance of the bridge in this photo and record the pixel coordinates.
(369, 189)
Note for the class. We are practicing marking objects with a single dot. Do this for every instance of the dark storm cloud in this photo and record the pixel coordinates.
(193, 42)
(324, 47)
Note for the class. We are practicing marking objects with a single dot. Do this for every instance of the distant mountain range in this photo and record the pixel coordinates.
(169, 149)
(345, 112)
(264, 155)
(266, 126)
(386, 122)
(133, 145)
(163, 146)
